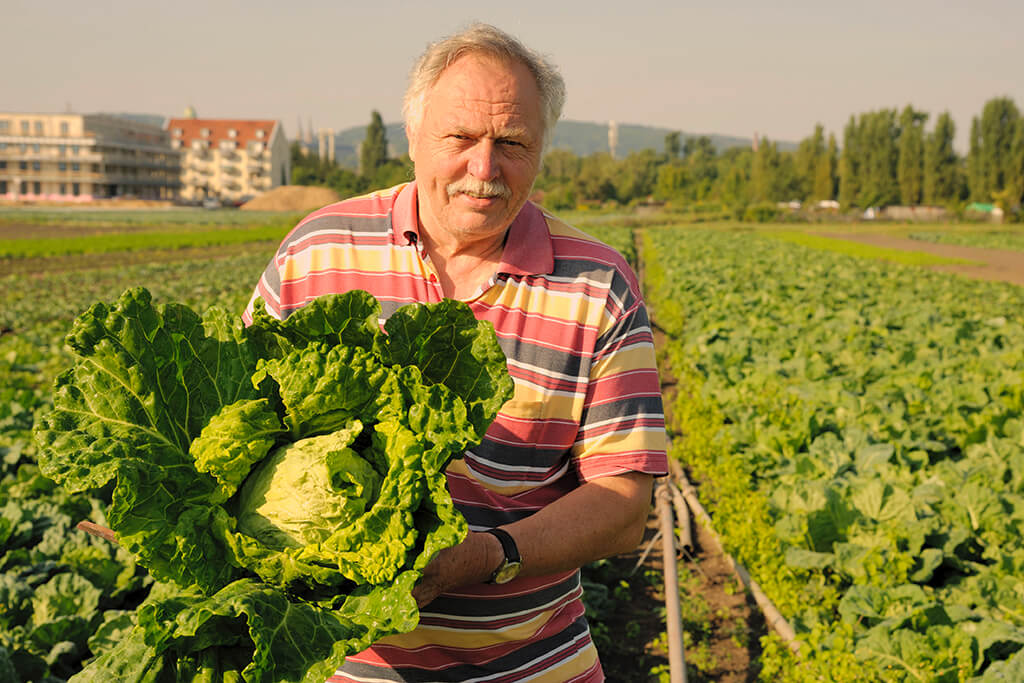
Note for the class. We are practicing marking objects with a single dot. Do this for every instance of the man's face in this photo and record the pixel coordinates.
(476, 148)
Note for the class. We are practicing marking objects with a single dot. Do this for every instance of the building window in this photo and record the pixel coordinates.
(205, 132)
(232, 133)
(39, 131)
(3, 164)
(74, 166)
(3, 187)
(261, 133)
(5, 126)
(178, 132)
(74, 189)
(35, 166)
(64, 130)
(37, 188)
(62, 166)
(23, 148)
(24, 127)
(35, 148)
(62, 150)
(63, 188)
(74, 149)
(22, 165)
(24, 187)
(3, 146)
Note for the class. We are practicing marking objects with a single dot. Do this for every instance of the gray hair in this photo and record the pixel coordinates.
(488, 40)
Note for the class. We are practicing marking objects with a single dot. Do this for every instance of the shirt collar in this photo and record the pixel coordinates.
(528, 249)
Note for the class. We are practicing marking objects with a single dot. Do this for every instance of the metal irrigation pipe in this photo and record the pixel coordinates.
(771, 613)
(673, 617)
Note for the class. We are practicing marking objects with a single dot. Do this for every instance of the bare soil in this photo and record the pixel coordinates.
(990, 264)
(292, 198)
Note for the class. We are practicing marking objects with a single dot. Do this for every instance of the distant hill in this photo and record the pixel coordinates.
(582, 137)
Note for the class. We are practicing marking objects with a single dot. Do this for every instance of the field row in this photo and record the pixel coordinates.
(858, 429)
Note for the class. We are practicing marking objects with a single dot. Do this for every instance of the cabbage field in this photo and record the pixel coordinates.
(858, 428)
(854, 427)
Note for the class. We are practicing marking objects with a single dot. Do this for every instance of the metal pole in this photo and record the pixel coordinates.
(673, 618)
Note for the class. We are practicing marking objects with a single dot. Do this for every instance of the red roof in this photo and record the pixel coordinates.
(245, 130)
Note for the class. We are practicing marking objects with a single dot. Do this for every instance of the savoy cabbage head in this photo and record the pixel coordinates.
(285, 481)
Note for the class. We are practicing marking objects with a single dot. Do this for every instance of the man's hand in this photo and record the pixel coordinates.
(602, 518)
(472, 561)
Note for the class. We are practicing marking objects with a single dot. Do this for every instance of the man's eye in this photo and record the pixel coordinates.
(510, 143)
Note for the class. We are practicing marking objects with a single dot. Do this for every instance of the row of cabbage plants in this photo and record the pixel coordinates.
(857, 429)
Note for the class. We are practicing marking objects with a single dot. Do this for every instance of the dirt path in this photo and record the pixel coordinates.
(991, 264)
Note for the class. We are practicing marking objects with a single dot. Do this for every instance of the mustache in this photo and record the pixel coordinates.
(485, 188)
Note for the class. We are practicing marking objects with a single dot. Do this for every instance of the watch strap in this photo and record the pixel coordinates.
(508, 547)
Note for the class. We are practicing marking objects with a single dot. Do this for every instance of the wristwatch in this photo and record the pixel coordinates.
(512, 563)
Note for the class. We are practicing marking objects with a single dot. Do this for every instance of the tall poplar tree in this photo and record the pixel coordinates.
(975, 174)
(825, 172)
(940, 162)
(849, 164)
(910, 167)
(374, 150)
(998, 126)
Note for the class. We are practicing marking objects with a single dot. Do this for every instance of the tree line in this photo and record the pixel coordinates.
(886, 157)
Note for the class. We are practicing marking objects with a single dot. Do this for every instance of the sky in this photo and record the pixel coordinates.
(732, 67)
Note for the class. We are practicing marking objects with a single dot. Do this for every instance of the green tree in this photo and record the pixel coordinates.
(940, 162)
(809, 154)
(975, 175)
(997, 129)
(672, 182)
(825, 171)
(879, 155)
(849, 164)
(636, 175)
(374, 150)
(910, 167)
(673, 146)
(596, 179)
(560, 167)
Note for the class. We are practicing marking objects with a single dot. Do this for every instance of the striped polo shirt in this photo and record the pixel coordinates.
(569, 316)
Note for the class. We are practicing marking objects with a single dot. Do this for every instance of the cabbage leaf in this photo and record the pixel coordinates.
(285, 481)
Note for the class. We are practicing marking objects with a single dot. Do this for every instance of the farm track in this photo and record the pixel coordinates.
(990, 264)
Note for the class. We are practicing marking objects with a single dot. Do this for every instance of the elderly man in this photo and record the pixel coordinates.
(564, 475)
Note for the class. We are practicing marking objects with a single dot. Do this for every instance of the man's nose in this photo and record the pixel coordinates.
(483, 162)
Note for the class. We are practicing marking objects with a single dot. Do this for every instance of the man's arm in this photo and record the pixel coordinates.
(599, 519)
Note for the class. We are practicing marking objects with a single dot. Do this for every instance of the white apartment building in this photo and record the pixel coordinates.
(81, 157)
(231, 160)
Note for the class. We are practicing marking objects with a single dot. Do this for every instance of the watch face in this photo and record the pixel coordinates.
(507, 572)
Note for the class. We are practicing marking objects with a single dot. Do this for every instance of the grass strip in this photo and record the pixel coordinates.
(861, 250)
(91, 244)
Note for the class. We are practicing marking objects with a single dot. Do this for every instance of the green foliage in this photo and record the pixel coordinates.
(171, 411)
(856, 427)
(941, 182)
(910, 168)
(762, 212)
(374, 150)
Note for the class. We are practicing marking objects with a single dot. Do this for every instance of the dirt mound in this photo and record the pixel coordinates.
(292, 198)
